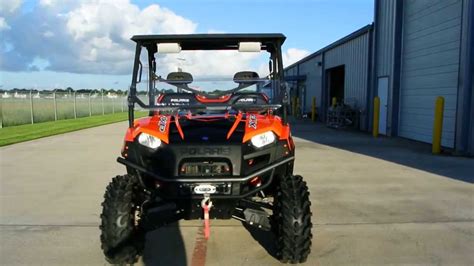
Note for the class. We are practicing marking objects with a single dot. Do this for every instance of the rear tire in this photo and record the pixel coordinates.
(292, 220)
(121, 238)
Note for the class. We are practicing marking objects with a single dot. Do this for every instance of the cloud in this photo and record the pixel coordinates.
(48, 2)
(8, 9)
(293, 55)
(210, 63)
(89, 36)
(93, 37)
(289, 57)
(3, 24)
(9, 6)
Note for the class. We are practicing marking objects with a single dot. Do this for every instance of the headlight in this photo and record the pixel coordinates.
(263, 139)
(149, 141)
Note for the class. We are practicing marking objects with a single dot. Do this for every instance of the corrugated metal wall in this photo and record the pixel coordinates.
(385, 34)
(313, 82)
(430, 67)
(291, 71)
(354, 54)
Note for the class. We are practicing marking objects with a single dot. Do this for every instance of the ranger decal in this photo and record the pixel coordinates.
(162, 123)
(253, 121)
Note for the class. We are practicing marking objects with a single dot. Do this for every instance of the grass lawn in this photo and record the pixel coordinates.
(15, 134)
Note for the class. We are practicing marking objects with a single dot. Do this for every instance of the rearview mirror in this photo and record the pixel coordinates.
(179, 78)
(250, 46)
(168, 48)
(246, 77)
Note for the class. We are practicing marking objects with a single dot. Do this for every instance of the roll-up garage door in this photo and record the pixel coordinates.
(430, 62)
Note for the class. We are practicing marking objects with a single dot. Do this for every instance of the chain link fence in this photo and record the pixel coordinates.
(31, 107)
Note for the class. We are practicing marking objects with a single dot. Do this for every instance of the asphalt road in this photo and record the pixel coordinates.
(374, 202)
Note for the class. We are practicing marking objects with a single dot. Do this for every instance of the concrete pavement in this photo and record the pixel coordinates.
(379, 201)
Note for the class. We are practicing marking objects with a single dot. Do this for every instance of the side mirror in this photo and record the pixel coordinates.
(246, 77)
(179, 78)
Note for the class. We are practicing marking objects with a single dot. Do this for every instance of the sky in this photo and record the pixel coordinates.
(86, 44)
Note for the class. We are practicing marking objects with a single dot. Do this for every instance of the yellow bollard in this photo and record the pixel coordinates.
(438, 125)
(334, 101)
(375, 124)
(313, 110)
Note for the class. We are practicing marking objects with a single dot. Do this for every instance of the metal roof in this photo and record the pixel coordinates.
(211, 41)
(345, 39)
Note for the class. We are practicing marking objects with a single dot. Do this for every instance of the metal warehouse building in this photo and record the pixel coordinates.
(415, 51)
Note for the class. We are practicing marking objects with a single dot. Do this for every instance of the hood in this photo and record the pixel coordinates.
(212, 128)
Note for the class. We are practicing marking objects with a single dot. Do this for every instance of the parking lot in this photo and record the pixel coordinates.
(374, 201)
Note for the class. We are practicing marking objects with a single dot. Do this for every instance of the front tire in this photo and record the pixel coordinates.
(292, 219)
(121, 237)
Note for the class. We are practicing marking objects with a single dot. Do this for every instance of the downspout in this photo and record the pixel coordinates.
(397, 68)
(370, 77)
(324, 93)
(373, 90)
(464, 130)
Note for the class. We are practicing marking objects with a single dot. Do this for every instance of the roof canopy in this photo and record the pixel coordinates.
(212, 41)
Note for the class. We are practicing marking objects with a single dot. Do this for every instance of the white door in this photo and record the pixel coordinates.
(382, 92)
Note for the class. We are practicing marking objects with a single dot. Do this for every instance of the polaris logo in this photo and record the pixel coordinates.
(206, 151)
(179, 100)
(247, 100)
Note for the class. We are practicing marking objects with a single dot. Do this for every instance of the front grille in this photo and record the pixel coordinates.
(204, 168)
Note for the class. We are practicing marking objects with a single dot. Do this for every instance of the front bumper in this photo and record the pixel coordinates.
(239, 184)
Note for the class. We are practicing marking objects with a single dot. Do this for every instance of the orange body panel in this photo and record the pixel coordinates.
(238, 118)
(178, 126)
(263, 124)
(158, 126)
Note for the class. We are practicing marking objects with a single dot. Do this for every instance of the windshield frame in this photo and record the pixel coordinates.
(276, 77)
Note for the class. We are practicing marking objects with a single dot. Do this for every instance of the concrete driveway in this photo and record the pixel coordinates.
(383, 201)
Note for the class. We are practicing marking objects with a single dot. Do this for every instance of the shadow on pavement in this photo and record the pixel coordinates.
(265, 238)
(165, 246)
(398, 150)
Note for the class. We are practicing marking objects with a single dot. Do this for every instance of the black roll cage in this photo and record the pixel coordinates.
(271, 42)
